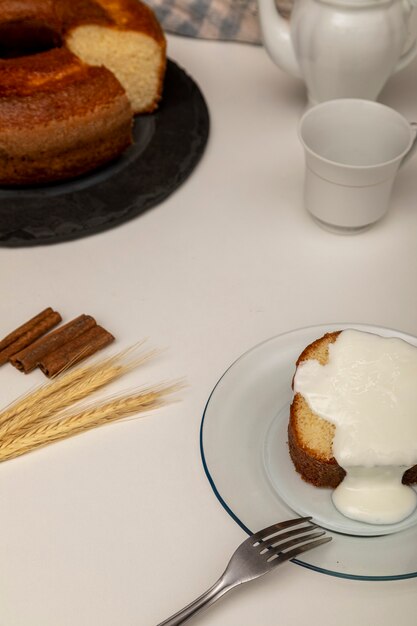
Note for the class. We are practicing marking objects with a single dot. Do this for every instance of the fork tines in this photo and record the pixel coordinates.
(276, 544)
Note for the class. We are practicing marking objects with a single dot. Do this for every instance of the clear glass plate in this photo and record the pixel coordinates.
(244, 451)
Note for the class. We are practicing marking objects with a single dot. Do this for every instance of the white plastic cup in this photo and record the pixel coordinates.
(353, 150)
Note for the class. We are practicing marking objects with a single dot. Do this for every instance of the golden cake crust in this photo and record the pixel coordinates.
(50, 73)
(79, 118)
(19, 11)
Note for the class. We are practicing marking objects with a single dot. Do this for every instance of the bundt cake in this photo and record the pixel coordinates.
(310, 437)
(72, 75)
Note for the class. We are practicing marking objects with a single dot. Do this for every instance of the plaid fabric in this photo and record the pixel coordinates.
(235, 20)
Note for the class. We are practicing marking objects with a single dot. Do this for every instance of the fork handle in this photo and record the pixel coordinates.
(206, 599)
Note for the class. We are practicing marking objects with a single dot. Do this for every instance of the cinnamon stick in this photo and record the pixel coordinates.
(27, 359)
(15, 334)
(28, 333)
(75, 351)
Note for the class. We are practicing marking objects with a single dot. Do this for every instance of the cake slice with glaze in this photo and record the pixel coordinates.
(310, 437)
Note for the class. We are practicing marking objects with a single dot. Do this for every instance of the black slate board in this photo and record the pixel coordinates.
(167, 146)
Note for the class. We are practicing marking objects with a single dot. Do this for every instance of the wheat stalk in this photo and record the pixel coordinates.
(47, 414)
(77, 422)
(64, 390)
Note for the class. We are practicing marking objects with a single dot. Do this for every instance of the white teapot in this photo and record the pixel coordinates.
(341, 48)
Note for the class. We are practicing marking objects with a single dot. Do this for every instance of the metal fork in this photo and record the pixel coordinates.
(259, 554)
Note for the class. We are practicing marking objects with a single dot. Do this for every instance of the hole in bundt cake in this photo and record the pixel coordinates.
(19, 39)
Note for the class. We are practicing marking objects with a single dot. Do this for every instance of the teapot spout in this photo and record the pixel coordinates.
(276, 37)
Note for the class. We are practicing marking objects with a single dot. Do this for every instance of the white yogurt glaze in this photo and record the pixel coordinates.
(368, 390)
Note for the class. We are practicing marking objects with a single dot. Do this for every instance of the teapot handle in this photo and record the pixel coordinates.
(276, 37)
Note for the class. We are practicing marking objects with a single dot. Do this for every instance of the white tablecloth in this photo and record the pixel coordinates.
(120, 526)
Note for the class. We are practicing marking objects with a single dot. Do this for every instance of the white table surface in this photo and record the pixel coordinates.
(120, 527)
